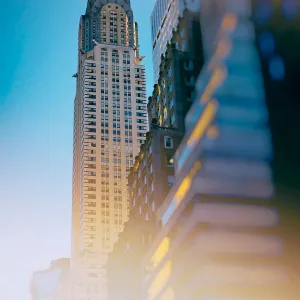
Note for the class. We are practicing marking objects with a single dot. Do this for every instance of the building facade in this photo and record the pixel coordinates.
(149, 182)
(152, 175)
(110, 124)
(179, 69)
(53, 283)
(225, 233)
(124, 263)
(164, 19)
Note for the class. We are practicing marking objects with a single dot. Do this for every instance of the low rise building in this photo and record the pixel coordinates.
(124, 272)
(152, 175)
(149, 182)
(52, 283)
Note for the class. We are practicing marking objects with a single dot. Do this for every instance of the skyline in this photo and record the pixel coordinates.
(214, 191)
(36, 126)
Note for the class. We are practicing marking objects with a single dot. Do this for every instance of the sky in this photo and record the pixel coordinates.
(38, 58)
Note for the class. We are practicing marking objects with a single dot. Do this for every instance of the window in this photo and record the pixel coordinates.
(151, 168)
(189, 65)
(171, 180)
(165, 100)
(171, 104)
(152, 187)
(182, 33)
(173, 120)
(189, 80)
(165, 113)
(168, 142)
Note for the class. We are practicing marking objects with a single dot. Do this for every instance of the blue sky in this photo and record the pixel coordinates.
(38, 58)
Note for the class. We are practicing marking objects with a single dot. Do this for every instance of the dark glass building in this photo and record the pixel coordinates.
(179, 69)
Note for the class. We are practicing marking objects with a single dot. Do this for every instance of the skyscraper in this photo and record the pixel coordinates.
(110, 123)
(164, 19)
(180, 66)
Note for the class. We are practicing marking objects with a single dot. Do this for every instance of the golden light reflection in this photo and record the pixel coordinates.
(224, 48)
(212, 132)
(229, 22)
(160, 280)
(218, 77)
(186, 184)
(165, 112)
(183, 189)
(160, 253)
(203, 123)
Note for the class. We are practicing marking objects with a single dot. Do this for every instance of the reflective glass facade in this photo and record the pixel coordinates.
(164, 19)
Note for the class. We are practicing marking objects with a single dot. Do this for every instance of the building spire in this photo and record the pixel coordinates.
(95, 23)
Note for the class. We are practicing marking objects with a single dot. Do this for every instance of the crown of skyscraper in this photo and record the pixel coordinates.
(107, 23)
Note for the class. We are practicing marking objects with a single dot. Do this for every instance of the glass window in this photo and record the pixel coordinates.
(171, 180)
(168, 142)
(182, 33)
(173, 120)
(151, 168)
(189, 65)
(152, 187)
(153, 206)
(189, 80)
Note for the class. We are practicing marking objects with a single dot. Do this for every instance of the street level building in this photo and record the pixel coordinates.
(152, 175)
(124, 263)
(149, 182)
(52, 283)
